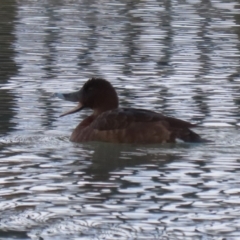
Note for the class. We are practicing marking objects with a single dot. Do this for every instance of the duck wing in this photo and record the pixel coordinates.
(146, 123)
(123, 117)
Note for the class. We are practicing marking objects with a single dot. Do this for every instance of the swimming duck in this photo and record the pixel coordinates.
(109, 123)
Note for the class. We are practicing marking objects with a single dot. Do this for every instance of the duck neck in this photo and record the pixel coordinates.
(98, 111)
(106, 103)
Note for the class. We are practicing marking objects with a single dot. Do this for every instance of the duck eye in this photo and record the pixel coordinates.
(90, 89)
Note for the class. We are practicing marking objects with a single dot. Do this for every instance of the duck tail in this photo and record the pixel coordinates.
(188, 135)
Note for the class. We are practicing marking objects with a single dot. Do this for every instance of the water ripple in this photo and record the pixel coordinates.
(178, 58)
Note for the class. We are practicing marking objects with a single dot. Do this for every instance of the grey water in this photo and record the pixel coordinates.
(181, 58)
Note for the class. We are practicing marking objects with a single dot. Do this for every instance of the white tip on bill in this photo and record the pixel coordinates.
(59, 95)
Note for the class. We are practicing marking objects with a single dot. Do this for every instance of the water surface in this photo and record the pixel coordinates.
(178, 58)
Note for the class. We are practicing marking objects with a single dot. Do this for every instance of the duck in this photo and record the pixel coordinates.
(110, 123)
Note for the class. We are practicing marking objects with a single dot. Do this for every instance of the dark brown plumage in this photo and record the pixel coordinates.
(109, 123)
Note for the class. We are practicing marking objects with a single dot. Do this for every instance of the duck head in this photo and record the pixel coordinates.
(97, 94)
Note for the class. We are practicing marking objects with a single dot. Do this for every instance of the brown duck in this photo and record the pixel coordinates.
(109, 123)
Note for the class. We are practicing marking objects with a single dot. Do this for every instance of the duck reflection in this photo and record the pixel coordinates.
(108, 157)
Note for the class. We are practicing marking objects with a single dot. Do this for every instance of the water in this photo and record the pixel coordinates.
(180, 58)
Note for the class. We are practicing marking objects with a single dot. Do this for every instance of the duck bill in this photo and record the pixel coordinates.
(72, 97)
(78, 108)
